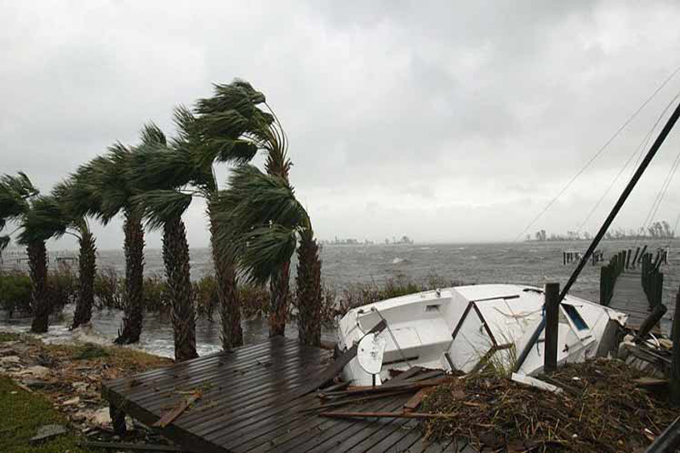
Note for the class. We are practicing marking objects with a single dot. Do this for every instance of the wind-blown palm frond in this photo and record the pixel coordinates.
(231, 125)
(109, 180)
(15, 191)
(152, 135)
(266, 249)
(255, 198)
(155, 166)
(161, 206)
(43, 221)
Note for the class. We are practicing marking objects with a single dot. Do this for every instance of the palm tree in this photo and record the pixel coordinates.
(102, 189)
(232, 116)
(160, 173)
(264, 225)
(20, 201)
(215, 136)
(65, 195)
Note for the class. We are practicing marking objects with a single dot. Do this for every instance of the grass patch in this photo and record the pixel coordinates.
(21, 414)
(90, 351)
(4, 336)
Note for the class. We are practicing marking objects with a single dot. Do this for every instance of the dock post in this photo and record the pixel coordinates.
(629, 252)
(675, 358)
(552, 310)
(644, 249)
(117, 420)
(635, 258)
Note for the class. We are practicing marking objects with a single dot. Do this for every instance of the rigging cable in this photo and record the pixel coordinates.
(597, 154)
(639, 151)
(662, 193)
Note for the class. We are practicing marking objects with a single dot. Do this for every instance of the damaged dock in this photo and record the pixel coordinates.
(257, 399)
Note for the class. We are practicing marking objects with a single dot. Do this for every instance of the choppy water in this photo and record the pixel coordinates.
(343, 266)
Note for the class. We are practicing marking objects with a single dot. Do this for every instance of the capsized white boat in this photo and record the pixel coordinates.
(463, 327)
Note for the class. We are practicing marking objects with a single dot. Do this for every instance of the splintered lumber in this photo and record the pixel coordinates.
(413, 403)
(340, 414)
(650, 382)
(170, 416)
(651, 321)
(390, 388)
(355, 400)
(338, 386)
(336, 367)
(405, 375)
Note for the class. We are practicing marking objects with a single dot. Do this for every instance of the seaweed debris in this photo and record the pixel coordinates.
(601, 409)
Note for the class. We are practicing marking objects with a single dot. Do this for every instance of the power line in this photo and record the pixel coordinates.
(597, 154)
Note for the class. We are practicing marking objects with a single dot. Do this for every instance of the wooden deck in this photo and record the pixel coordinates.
(630, 298)
(250, 403)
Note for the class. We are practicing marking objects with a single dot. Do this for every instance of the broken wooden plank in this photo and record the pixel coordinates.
(537, 383)
(413, 403)
(170, 416)
(389, 388)
(650, 382)
(405, 375)
(338, 386)
(120, 446)
(340, 414)
(354, 400)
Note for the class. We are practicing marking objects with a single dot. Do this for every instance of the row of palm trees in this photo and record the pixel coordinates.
(256, 223)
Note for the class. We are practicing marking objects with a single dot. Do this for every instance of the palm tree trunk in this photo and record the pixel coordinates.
(133, 305)
(309, 293)
(230, 308)
(279, 287)
(40, 294)
(177, 271)
(87, 262)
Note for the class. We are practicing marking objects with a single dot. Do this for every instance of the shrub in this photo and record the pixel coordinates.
(15, 291)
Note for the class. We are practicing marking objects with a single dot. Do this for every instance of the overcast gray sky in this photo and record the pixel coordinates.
(446, 121)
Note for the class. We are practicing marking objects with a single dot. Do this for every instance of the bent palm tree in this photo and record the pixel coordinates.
(230, 117)
(20, 201)
(65, 196)
(164, 209)
(102, 189)
(160, 173)
(265, 223)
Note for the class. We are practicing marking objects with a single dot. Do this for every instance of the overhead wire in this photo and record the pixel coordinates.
(598, 153)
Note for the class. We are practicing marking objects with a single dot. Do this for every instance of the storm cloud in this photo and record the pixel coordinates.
(445, 121)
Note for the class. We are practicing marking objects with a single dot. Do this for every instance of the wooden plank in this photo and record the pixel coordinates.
(413, 403)
(350, 414)
(405, 375)
(170, 416)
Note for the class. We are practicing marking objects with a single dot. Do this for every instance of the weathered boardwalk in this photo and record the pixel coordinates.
(248, 403)
(630, 298)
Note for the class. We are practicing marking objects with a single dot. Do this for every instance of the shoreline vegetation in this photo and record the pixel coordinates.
(109, 293)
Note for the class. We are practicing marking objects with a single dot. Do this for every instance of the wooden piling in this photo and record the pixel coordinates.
(552, 310)
(675, 362)
(635, 258)
(642, 254)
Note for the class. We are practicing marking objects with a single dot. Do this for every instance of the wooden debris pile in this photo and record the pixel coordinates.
(417, 381)
(603, 407)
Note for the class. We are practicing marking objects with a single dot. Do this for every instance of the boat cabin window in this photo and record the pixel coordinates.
(575, 316)
(430, 308)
